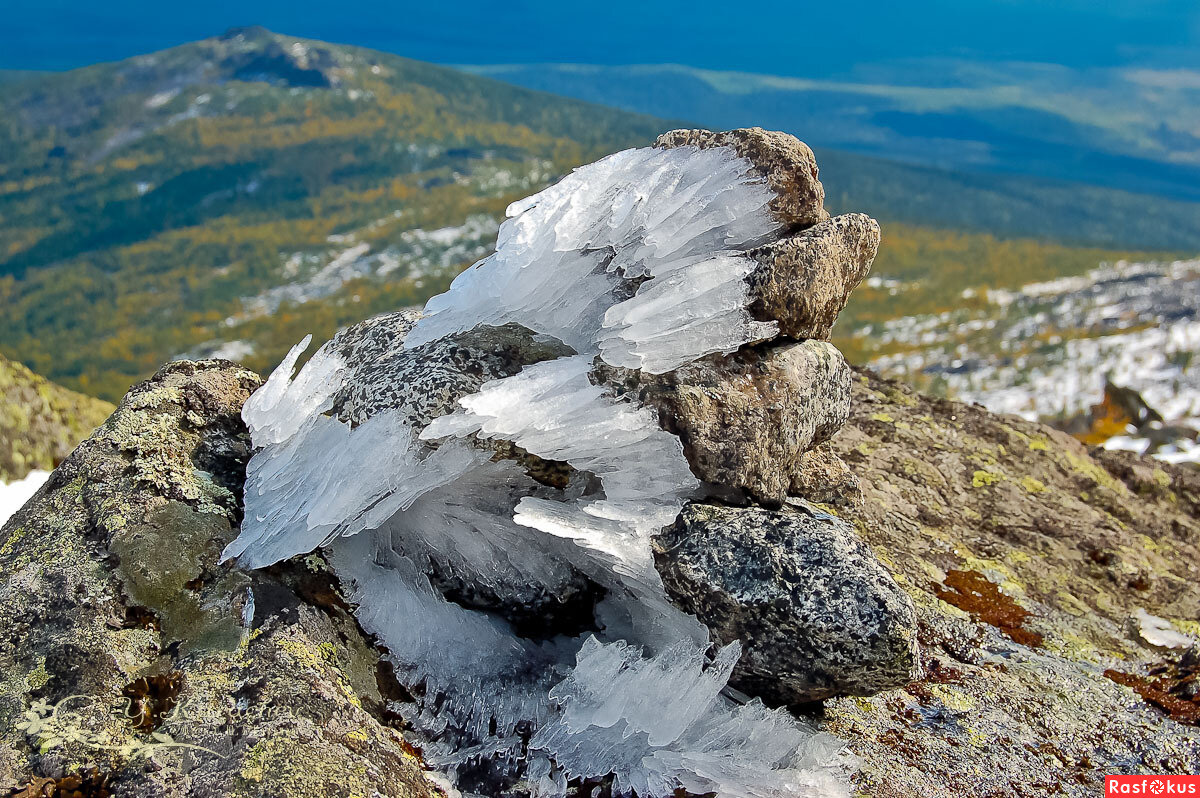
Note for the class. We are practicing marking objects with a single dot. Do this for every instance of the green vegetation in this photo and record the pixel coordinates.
(143, 203)
(230, 196)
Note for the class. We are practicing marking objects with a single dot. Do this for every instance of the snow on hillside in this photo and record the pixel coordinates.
(1046, 350)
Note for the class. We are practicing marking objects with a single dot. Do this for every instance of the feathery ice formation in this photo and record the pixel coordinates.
(560, 494)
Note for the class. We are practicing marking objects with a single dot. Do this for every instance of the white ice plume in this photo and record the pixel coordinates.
(567, 259)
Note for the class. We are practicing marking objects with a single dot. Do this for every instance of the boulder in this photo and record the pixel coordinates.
(173, 675)
(817, 615)
(746, 419)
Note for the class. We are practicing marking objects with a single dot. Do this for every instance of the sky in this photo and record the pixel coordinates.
(796, 37)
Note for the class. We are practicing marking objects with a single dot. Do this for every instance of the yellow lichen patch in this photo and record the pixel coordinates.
(1039, 444)
(983, 479)
(12, 541)
(1089, 469)
(883, 417)
(951, 697)
(1032, 485)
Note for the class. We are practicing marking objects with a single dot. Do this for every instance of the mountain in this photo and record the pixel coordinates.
(40, 422)
(150, 205)
(1136, 130)
(229, 196)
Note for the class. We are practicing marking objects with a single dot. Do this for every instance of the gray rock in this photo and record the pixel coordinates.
(111, 592)
(817, 615)
(805, 280)
(786, 162)
(747, 418)
(426, 381)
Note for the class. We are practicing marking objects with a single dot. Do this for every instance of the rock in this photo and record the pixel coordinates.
(825, 478)
(747, 419)
(805, 280)
(40, 422)
(786, 162)
(1066, 534)
(817, 615)
(427, 381)
(111, 594)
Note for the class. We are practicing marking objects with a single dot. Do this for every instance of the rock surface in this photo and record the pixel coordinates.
(817, 615)
(1025, 556)
(1079, 541)
(786, 162)
(747, 419)
(804, 281)
(173, 675)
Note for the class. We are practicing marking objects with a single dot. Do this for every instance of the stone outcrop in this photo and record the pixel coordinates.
(817, 615)
(967, 594)
(173, 675)
(1027, 557)
(1078, 540)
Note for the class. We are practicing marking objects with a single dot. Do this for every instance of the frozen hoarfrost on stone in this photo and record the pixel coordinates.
(487, 481)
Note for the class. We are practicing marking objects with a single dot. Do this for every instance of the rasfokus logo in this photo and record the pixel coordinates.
(1152, 785)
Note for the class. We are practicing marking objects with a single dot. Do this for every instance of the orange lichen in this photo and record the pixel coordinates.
(90, 784)
(1164, 688)
(972, 592)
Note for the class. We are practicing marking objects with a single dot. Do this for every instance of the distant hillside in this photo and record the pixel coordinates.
(1131, 129)
(152, 205)
(40, 422)
(227, 197)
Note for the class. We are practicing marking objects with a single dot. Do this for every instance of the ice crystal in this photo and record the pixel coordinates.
(442, 535)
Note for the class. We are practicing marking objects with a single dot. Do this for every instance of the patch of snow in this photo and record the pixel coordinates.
(161, 98)
(14, 494)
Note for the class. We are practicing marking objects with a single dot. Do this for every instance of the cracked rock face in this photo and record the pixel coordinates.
(817, 615)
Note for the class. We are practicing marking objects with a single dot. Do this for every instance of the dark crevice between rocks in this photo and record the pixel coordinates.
(570, 614)
(152, 698)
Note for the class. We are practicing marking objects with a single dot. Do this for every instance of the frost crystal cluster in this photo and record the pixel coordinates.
(488, 477)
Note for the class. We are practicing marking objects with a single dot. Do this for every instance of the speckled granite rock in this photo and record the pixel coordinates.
(173, 675)
(747, 419)
(817, 615)
(787, 163)
(428, 380)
